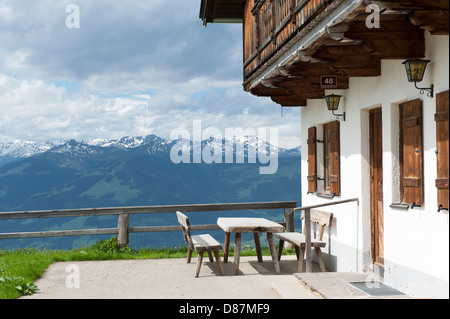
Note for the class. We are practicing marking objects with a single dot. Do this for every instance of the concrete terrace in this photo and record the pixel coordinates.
(174, 279)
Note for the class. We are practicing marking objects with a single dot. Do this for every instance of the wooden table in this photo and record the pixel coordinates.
(249, 225)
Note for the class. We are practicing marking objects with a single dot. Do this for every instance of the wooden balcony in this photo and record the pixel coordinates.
(270, 25)
(290, 44)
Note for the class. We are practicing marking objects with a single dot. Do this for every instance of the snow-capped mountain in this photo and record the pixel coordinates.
(22, 149)
(242, 146)
(139, 171)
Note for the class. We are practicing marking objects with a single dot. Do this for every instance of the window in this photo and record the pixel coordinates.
(442, 148)
(411, 153)
(331, 158)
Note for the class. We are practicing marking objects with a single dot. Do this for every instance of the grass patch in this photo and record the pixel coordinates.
(20, 268)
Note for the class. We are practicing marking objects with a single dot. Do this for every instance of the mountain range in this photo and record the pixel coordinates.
(131, 171)
(19, 149)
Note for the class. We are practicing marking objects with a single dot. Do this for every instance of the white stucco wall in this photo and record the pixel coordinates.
(416, 241)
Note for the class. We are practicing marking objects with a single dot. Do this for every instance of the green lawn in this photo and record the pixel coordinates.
(20, 268)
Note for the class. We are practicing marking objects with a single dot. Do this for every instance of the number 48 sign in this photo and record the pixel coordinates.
(328, 81)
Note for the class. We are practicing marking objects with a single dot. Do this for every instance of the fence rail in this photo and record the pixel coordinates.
(123, 226)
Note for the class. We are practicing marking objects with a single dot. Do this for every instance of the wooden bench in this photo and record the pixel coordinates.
(200, 243)
(299, 241)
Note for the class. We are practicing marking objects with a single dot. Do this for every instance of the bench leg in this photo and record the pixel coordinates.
(210, 256)
(199, 263)
(189, 255)
(280, 249)
(219, 262)
(319, 256)
(297, 252)
(302, 259)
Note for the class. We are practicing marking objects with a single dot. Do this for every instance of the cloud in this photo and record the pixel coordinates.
(144, 67)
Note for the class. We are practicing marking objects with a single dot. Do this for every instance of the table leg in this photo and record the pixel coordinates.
(273, 252)
(258, 247)
(237, 252)
(226, 248)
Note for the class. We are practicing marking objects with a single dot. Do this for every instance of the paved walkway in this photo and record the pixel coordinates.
(171, 279)
(174, 279)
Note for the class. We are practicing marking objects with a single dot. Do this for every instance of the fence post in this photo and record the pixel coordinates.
(123, 224)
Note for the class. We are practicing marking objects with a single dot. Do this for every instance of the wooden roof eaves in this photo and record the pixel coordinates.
(221, 11)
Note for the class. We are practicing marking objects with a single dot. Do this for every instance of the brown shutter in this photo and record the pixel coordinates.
(442, 130)
(335, 158)
(411, 152)
(312, 162)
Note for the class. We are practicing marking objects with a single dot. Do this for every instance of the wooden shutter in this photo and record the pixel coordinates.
(411, 152)
(335, 158)
(312, 159)
(442, 146)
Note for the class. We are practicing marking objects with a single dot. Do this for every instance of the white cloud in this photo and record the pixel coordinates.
(16, 60)
(144, 67)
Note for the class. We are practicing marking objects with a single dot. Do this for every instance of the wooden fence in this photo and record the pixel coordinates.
(123, 228)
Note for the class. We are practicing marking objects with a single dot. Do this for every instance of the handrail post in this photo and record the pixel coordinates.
(308, 239)
(274, 23)
(292, 12)
(123, 224)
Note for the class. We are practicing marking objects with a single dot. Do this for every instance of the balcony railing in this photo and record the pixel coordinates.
(270, 24)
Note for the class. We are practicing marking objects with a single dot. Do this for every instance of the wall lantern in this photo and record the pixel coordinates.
(415, 70)
(333, 104)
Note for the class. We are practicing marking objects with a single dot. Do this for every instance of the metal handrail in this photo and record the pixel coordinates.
(327, 204)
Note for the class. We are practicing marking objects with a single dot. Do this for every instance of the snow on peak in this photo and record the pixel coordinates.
(23, 149)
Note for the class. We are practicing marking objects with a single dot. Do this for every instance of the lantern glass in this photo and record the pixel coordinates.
(333, 101)
(415, 69)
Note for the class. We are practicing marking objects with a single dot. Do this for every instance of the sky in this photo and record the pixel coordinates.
(124, 68)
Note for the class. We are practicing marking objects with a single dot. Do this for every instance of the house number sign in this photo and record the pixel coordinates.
(328, 81)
